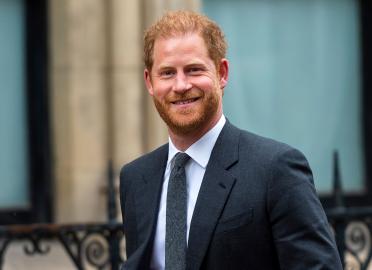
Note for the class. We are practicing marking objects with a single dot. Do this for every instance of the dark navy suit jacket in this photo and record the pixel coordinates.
(257, 209)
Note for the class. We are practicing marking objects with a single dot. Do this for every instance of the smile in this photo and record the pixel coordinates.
(185, 101)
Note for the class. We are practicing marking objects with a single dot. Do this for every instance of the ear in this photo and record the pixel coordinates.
(148, 82)
(223, 72)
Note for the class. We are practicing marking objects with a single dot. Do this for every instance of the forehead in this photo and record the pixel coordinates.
(180, 44)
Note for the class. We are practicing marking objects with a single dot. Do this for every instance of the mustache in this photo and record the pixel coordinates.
(184, 96)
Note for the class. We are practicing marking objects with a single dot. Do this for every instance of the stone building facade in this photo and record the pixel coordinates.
(100, 108)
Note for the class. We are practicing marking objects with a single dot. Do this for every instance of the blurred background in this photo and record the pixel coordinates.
(72, 97)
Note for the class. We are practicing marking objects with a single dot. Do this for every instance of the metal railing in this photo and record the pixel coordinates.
(352, 227)
(101, 245)
(93, 245)
(89, 245)
(353, 230)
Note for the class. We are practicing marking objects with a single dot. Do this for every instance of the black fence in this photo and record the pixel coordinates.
(94, 245)
(353, 230)
(102, 245)
(352, 227)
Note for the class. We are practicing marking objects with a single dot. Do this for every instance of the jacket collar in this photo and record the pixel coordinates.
(215, 189)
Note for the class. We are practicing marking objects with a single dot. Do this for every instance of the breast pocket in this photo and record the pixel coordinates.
(234, 222)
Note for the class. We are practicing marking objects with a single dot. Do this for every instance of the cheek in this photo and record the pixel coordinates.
(161, 89)
(203, 83)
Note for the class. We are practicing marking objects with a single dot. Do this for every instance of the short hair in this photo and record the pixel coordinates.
(181, 22)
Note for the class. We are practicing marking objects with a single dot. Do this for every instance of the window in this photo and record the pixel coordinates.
(13, 135)
(296, 77)
(25, 195)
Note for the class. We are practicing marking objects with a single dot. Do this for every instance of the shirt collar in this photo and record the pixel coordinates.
(201, 150)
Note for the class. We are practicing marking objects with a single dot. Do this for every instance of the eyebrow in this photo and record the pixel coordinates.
(196, 63)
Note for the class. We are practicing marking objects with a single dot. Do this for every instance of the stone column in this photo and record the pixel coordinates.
(126, 81)
(100, 108)
(78, 100)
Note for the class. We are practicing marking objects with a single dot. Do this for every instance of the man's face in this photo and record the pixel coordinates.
(185, 84)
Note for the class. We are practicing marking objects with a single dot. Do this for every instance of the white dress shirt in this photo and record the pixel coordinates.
(199, 153)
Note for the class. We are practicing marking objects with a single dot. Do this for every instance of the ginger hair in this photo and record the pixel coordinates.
(175, 23)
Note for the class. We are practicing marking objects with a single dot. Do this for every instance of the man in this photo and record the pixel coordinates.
(230, 199)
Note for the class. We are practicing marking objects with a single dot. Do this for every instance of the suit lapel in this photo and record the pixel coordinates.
(214, 192)
(147, 200)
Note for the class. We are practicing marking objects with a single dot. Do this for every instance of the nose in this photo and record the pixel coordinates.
(181, 83)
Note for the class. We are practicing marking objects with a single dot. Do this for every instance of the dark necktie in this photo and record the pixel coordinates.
(176, 216)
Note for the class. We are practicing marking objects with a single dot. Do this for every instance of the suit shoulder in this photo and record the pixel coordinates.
(284, 166)
(265, 148)
(254, 140)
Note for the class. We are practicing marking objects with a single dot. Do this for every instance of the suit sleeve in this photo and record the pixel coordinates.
(127, 205)
(122, 190)
(300, 229)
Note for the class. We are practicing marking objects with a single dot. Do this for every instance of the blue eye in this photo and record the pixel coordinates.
(195, 70)
(167, 73)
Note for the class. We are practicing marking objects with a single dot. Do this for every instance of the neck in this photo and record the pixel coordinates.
(183, 141)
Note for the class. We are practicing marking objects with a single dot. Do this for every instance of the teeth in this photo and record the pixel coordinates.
(184, 101)
(181, 102)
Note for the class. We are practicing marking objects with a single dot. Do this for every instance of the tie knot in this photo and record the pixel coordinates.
(180, 159)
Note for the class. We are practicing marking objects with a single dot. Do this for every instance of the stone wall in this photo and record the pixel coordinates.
(100, 108)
